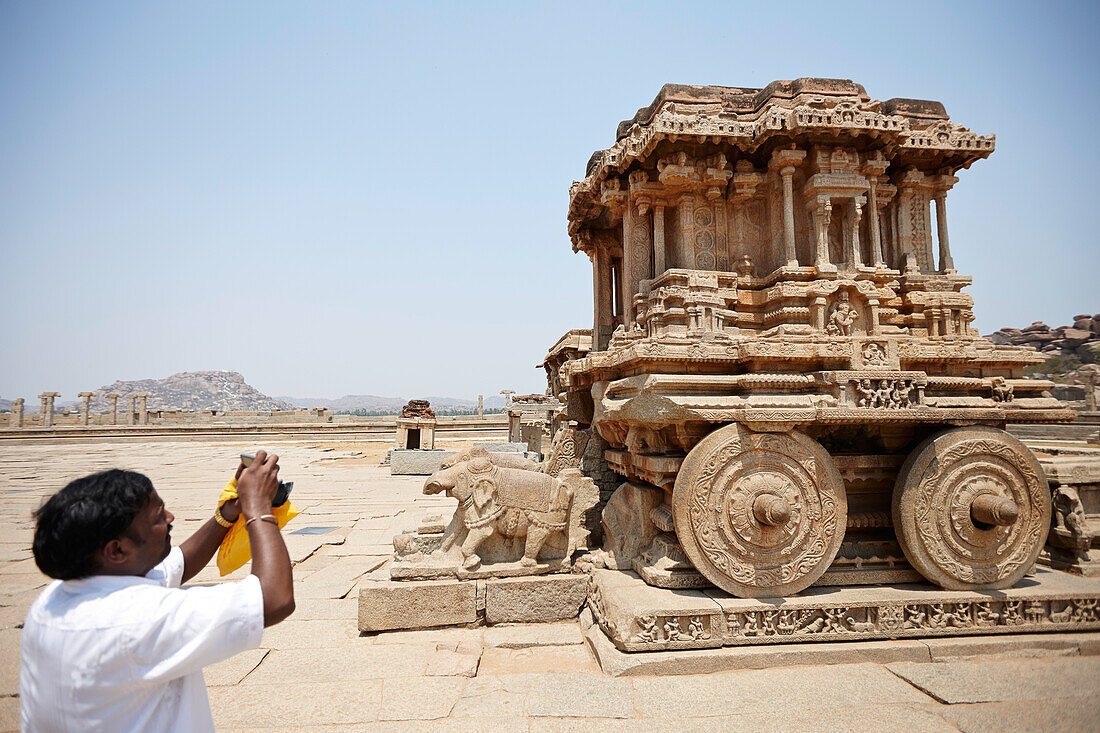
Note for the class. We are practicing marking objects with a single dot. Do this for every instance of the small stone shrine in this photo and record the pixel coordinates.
(416, 426)
(783, 367)
(414, 450)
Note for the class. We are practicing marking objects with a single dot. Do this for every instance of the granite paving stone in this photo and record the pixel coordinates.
(1028, 716)
(234, 669)
(989, 681)
(334, 701)
(579, 696)
(420, 698)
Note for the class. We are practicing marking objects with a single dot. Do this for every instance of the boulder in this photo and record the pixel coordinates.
(1075, 337)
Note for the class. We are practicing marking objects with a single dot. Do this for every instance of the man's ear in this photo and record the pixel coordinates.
(116, 553)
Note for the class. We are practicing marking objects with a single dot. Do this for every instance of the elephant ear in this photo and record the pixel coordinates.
(483, 488)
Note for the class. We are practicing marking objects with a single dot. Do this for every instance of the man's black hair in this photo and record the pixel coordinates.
(83, 517)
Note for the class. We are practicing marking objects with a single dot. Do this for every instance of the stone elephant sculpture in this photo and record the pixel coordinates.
(493, 499)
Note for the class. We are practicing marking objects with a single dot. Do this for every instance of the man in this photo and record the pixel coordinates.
(114, 643)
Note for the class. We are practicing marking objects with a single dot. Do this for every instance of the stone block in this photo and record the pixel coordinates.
(392, 605)
(627, 527)
(417, 462)
(539, 598)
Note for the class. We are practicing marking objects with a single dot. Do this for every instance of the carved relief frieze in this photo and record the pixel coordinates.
(910, 619)
(886, 394)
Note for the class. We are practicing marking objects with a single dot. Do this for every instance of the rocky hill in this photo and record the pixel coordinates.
(390, 405)
(193, 391)
(1072, 353)
(1083, 336)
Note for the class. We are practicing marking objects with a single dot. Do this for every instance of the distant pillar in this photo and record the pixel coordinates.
(480, 406)
(514, 433)
(85, 406)
(112, 398)
(47, 407)
(130, 412)
(143, 408)
(507, 396)
(17, 412)
(1090, 392)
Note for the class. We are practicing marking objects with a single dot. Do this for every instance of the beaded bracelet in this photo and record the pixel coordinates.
(221, 519)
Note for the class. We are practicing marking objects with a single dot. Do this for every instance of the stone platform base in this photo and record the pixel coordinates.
(617, 663)
(1062, 559)
(390, 605)
(417, 462)
(640, 618)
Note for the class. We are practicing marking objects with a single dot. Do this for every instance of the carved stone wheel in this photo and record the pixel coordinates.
(972, 509)
(760, 515)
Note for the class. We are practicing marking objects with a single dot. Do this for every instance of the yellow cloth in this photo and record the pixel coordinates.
(235, 550)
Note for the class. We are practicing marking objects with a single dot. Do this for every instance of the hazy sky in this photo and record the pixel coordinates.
(351, 197)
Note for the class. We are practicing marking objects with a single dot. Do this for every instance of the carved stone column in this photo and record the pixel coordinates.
(819, 313)
(113, 399)
(872, 169)
(822, 214)
(855, 214)
(601, 287)
(85, 406)
(687, 232)
(481, 405)
(133, 407)
(659, 260)
(636, 244)
(786, 161)
(943, 185)
(17, 412)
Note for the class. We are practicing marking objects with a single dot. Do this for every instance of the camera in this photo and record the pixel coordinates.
(282, 494)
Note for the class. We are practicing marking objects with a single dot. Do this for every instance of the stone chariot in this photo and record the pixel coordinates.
(782, 356)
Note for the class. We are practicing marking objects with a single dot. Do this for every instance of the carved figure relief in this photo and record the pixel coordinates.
(874, 354)
(888, 394)
(841, 317)
(1002, 391)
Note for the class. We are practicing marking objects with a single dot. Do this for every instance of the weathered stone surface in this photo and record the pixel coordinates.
(426, 698)
(627, 527)
(804, 687)
(417, 462)
(579, 696)
(446, 662)
(529, 635)
(233, 670)
(573, 659)
(972, 682)
(538, 599)
(617, 663)
(339, 700)
(387, 605)
(1079, 713)
(638, 617)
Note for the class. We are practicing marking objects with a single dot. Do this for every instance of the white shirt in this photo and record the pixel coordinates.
(125, 653)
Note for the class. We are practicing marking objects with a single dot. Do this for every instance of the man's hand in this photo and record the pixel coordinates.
(257, 484)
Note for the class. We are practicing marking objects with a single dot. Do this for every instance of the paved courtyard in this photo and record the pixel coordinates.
(315, 672)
